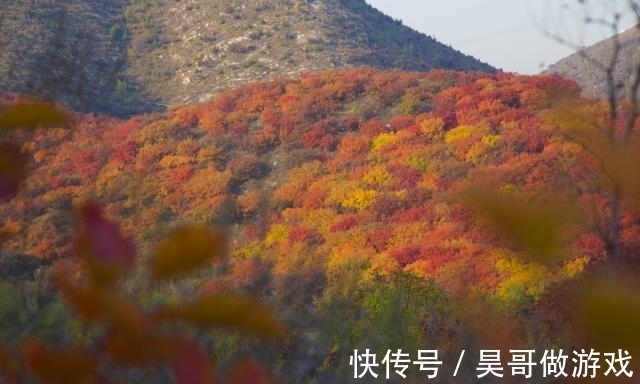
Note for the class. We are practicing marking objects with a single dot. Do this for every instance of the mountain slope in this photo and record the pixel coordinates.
(340, 194)
(587, 67)
(121, 57)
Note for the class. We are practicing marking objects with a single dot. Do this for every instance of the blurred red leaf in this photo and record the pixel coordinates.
(59, 366)
(192, 366)
(102, 246)
(247, 371)
(12, 170)
(132, 349)
(7, 368)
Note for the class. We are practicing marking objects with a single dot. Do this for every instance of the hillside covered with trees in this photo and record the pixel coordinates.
(358, 205)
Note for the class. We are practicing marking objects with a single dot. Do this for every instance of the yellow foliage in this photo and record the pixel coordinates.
(418, 162)
(341, 190)
(249, 251)
(381, 265)
(522, 280)
(307, 172)
(475, 152)
(208, 182)
(209, 153)
(432, 127)
(408, 233)
(277, 234)
(418, 268)
(458, 133)
(572, 268)
(509, 188)
(319, 219)
(429, 181)
(249, 202)
(345, 269)
(382, 140)
(360, 199)
(111, 181)
(378, 176)
(401, 195)
(171, 161)
(491, 139)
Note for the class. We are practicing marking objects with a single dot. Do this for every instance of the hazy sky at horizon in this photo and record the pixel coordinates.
(508, 34)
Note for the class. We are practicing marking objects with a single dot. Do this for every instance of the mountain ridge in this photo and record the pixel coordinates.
(588, 66)
(131, 57)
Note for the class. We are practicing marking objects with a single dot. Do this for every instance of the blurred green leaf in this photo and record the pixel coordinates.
(32, 114)
(214, 310)
(187, 249)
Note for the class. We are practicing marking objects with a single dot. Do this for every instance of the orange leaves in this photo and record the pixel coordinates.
(186, 249)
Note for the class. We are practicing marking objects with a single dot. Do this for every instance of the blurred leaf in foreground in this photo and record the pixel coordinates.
(536, 226)
(611, 315)
(59, 366)
(103, 247)
(227, 310)
(247, 371)
(12, 170)
(187, 249)
(101, 305)
(32, 114)
(192, 365)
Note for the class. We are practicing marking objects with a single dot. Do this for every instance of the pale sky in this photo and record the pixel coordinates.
(509, 34)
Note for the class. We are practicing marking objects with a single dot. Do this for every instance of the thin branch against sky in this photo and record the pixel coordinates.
(509, 34)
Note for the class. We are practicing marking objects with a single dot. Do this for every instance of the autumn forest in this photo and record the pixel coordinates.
(370, 209)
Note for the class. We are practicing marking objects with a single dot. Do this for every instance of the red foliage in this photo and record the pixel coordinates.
(385, 206)
(124, 153)
(406, 254)
(404, 176)
(301, 234)
(179, 175)
(379, 238)
(345, 223)
(373, 128)
(401, 122)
